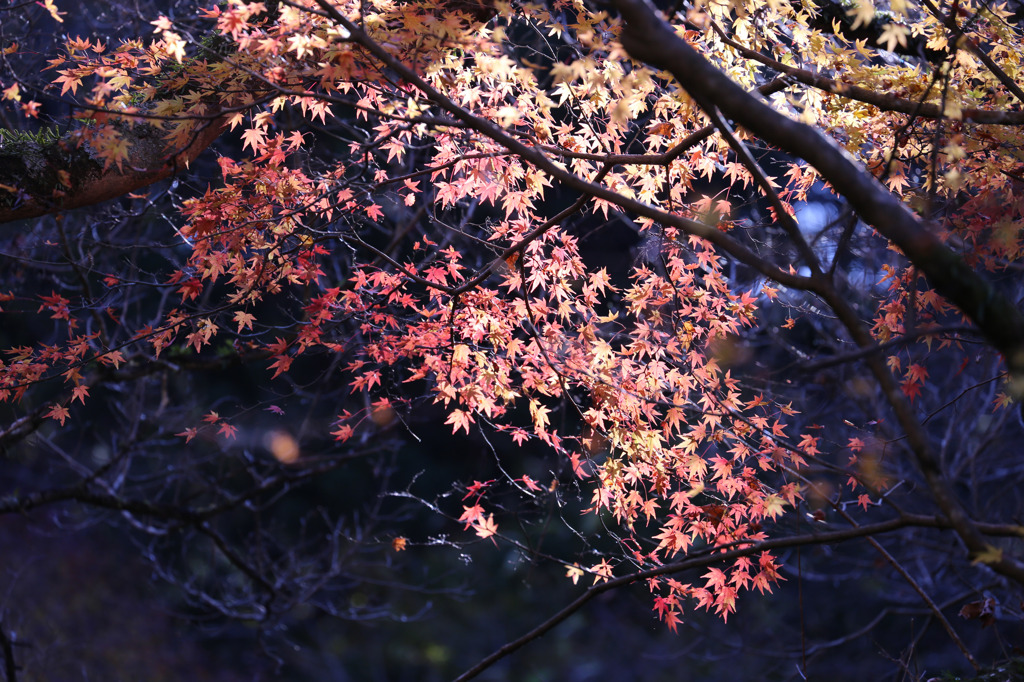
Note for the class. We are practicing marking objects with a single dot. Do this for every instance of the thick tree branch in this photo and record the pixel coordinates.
(33, 169)
(649, 39)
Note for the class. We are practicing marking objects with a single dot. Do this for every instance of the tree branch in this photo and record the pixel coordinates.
(52, 176)
(649, 39)
(7, 647)
(883, 100)
(700, 562)
(538, 158)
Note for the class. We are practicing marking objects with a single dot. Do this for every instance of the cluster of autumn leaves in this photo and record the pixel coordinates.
(674, 449)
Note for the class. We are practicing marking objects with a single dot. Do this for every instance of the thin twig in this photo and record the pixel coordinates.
(676, 567)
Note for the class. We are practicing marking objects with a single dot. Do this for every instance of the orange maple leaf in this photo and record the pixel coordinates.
(485, 527)
(58, 412)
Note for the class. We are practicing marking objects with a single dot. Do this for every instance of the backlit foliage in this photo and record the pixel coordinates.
(485, 117)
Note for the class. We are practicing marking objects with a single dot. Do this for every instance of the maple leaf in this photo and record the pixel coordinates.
(471, 515)
(162, 23)
(774, 506)
(485, 527)
(892, 35)
(990, 555)
(913, 381)
(52, 9)
(1002, 401)
(983, 609)
(809, 444)
(254, 138)
(672, 620)
(459, 419)
(716, 579)
(58, 412)
(244, 320)
(579, 467)
(228, 430)
(574, 573)
(602, 571)
(530, 483)
(56, 304)
(649, 507)
(343, 432)
(862, 12)
(112, 357)
(281, 364)
(540, 416)
(898, 181)
(916, 373)
(69, 81)
(80, 393)
(476, 488)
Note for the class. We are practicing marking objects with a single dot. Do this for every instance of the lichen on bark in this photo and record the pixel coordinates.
(44, 174)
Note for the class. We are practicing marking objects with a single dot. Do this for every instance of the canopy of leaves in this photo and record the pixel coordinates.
(825, 207)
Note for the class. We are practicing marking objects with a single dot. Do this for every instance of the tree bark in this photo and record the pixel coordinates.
(32, 183)
(650, 40)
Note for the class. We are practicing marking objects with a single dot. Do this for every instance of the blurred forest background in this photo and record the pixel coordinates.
(304, 559)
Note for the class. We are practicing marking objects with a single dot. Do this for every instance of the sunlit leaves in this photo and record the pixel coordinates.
(483, 301)
(50, 7)
(254, 138)
(893, 35)
(485, 527)
(459, 419)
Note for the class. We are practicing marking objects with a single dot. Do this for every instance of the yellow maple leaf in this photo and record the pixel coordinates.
(990, 555)
(893, 35)
(863, 12)
(574, 572)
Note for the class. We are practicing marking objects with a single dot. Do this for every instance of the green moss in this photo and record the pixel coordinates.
(47, 135)
(30, 162)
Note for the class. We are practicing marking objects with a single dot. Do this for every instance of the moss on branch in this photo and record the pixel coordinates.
(46, 172)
